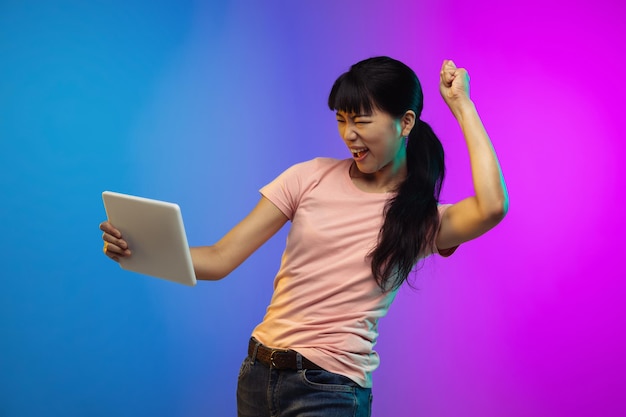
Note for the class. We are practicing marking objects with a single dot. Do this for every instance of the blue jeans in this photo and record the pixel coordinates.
(268, 392)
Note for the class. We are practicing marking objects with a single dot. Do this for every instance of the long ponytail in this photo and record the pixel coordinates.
(411, 216)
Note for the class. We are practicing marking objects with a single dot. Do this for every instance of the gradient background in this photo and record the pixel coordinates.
(203, 103)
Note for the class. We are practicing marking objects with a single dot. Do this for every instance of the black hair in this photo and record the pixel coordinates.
(411, 217)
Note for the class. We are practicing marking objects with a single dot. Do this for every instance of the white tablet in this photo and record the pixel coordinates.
(155, 234)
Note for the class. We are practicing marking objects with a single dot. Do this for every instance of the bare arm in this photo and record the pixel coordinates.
(216, 261)
(475, 215)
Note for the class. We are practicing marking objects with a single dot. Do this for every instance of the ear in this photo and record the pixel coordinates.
(407, 121)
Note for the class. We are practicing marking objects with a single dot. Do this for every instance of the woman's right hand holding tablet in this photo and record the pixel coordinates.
(115, 247)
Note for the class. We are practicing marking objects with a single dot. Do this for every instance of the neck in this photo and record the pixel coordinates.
(386, 179)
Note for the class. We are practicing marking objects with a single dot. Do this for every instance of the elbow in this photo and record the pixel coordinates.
(499, 204)
(497, 211)
(202, 276)
(211, 272)
(208, 264)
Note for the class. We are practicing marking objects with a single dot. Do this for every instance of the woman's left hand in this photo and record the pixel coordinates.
(454, 86)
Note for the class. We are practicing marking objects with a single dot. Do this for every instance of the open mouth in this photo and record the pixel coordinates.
(359, 153)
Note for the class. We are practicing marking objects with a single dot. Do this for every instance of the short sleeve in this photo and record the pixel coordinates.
(286, 190)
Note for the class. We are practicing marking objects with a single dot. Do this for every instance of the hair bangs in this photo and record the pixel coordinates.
(350, 94)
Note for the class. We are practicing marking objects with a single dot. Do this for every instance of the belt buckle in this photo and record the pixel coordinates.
(272, 358)
(274, 351)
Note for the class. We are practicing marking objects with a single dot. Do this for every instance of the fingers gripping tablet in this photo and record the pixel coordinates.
(156, 235)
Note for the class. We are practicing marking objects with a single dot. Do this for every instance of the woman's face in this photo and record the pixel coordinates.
(376, 140)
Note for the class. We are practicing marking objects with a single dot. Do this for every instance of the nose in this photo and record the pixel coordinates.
(348, 132)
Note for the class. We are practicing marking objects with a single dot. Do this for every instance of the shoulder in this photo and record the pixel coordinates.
(298, 181)
(316, 167)
(308, 175)
(321, 163)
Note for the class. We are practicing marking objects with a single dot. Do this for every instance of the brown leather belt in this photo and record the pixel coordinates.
(278, 358)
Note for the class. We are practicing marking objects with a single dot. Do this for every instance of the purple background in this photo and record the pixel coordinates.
(202, 104)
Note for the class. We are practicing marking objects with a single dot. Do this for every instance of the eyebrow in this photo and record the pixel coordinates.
(354, 116)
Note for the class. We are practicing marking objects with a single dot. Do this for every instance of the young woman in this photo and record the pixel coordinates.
(358, 227)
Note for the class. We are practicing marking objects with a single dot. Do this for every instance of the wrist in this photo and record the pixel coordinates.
(462, 109)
